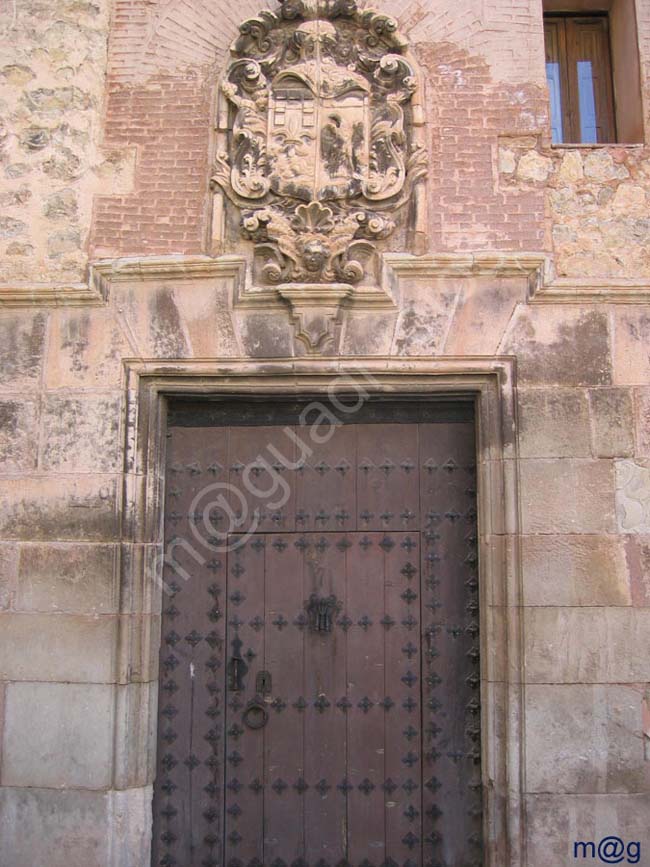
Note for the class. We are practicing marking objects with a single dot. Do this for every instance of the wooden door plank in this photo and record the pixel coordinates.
(452, 789)
(284, 747)
(387, 477)
(326, 488)
(244, 751)
(402, 731)
(325, 733)
(366, 691)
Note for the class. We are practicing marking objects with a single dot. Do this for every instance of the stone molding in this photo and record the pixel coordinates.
(535, 267)
(490, 383)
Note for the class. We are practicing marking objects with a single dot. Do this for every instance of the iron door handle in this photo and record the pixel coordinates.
(255, 716)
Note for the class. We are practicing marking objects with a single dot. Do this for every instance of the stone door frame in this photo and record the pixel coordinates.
(490, 382)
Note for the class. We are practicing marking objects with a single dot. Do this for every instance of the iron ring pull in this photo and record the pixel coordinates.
(255, 716)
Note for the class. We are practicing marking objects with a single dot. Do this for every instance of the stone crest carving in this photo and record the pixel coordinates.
(320, 159)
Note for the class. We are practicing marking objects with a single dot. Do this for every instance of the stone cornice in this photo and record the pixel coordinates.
(535, 267)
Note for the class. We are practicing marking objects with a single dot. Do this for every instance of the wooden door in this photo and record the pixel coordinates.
(319, 700)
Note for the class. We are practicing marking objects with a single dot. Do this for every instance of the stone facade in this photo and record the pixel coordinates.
(535, 261)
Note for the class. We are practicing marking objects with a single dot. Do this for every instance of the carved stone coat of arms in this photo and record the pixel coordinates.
(320, 159)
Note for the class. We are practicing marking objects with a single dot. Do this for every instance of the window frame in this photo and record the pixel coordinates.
(567, 26)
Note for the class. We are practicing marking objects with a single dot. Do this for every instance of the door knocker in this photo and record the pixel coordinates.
(256, 715)
(321, 611)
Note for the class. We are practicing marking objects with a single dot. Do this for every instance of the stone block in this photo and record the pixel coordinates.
(9, 558)
(54, 827)
(560, 346)
(484, 309)
(587, 645)
(18, 435)
(425, 316)
(85, 349)
(555, 823)
(58, 735)
(630, 340)
(153, 320)
(138, 648)
(82, 433)
(612, 419)
(57, 647)
(368, 333)
(574, 570)
(22, 339)
(204, 310)
(637, 551)
(567, 496)
(141, 589)
(131, 828)
(135, 739)
(554, 423)
(73, 578)
(265, 335)
(642, 422)
(60, 508)
(585, 739)
(633, 496)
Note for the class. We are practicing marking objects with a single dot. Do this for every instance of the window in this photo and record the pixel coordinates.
(579, 73)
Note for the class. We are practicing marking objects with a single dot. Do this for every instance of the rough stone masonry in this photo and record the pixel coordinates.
(534, 257)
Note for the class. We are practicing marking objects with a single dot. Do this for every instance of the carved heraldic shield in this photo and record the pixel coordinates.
(320, 157)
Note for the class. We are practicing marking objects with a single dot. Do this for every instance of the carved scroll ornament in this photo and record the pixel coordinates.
(320, 157)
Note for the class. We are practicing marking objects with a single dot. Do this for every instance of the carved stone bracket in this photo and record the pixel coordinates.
(316, 310)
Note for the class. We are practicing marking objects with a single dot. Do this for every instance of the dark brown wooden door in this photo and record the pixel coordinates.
(319, 700)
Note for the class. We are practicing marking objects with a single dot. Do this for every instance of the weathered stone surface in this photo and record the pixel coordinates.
(69, 746)
(642, 419)
(482, 313)
(575, 570)
(599, 165)
(555, 823)
(612, 418)
(141, 590)
(554, 423)
(585, 739)
(152, 318)
(567, 496)
(637, 551)
(72, 578)
(82, 433)
(87, 348)
(265, 335)
(560, 346)
(18, 435)
(368, 335)
(587, 645)
(571, 168)
(633, 496)
(131, 831)
(204, 311)
(136, 720)
(61, 206)
(53, 86)
(59, 508)
(533, 167)
(9, 557)
(425, 318)
(22, 338)
(631, 336)
(57, 647)
(55, 827)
